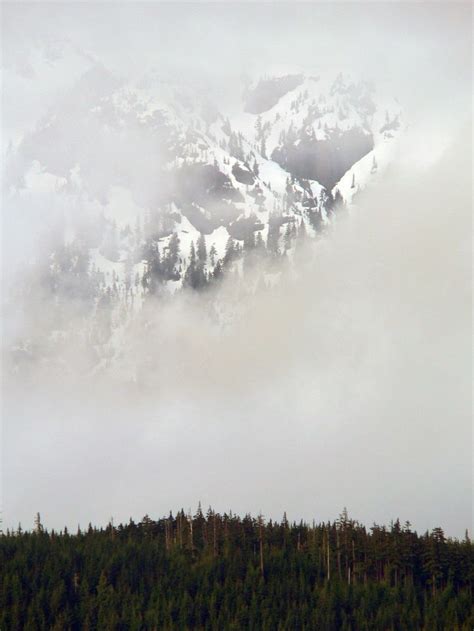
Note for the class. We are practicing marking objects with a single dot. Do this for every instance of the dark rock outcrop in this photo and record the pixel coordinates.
(268, 92)
(324, 160)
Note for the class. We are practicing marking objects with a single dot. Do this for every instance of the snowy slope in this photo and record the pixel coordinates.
(142, 171)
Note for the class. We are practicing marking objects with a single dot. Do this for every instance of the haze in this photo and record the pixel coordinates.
(348, 386)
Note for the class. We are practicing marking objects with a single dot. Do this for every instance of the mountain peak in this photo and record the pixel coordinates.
(173, 193)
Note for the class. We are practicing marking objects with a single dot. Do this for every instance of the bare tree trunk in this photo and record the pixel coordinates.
(328, 557)
(353, 562)
(179, 526)
(191, 540)
(338, 550)
(214, 545)
(167, 541)
(260, 536)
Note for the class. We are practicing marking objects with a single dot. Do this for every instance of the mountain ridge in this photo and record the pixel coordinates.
(213, 191)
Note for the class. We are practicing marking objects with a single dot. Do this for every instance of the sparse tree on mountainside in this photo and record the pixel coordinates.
(201, 249)
(273, 237)
(230, 251)
(194, 276)
(171, 258)
(217, 271)
(287, 239)
(212, 254)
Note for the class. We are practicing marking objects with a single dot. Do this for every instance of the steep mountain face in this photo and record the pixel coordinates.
(268, 91)
(323, 160)
(312, 129)
(155, 189)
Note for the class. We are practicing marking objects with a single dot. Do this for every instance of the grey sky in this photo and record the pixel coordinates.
(349, 388)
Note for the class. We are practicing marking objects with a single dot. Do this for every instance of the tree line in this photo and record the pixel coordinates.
(223, 572)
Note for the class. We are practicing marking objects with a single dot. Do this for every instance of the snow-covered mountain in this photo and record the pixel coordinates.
(151, 188)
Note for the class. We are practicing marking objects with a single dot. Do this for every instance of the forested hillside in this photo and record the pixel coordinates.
(223, 572)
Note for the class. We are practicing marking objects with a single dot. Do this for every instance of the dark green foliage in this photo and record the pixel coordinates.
(195, 276)
(201, 249)
(222, 572)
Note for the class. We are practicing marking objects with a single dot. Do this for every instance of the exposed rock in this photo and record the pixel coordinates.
(324, 160)
(242, 175)
(268, 92)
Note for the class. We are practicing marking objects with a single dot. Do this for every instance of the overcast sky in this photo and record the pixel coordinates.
(351, 387)
(417, 51)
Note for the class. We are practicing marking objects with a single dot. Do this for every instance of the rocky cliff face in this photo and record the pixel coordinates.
(324, 160)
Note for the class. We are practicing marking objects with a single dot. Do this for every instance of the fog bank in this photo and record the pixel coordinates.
(349, 385)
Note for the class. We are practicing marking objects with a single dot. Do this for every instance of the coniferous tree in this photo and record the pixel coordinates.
(170, 259)
(201, 249)
(288, 237)
(230, 251)
(217, 271)
(212, 254)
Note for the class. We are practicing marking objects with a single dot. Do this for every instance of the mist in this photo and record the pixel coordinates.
(346, 384)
